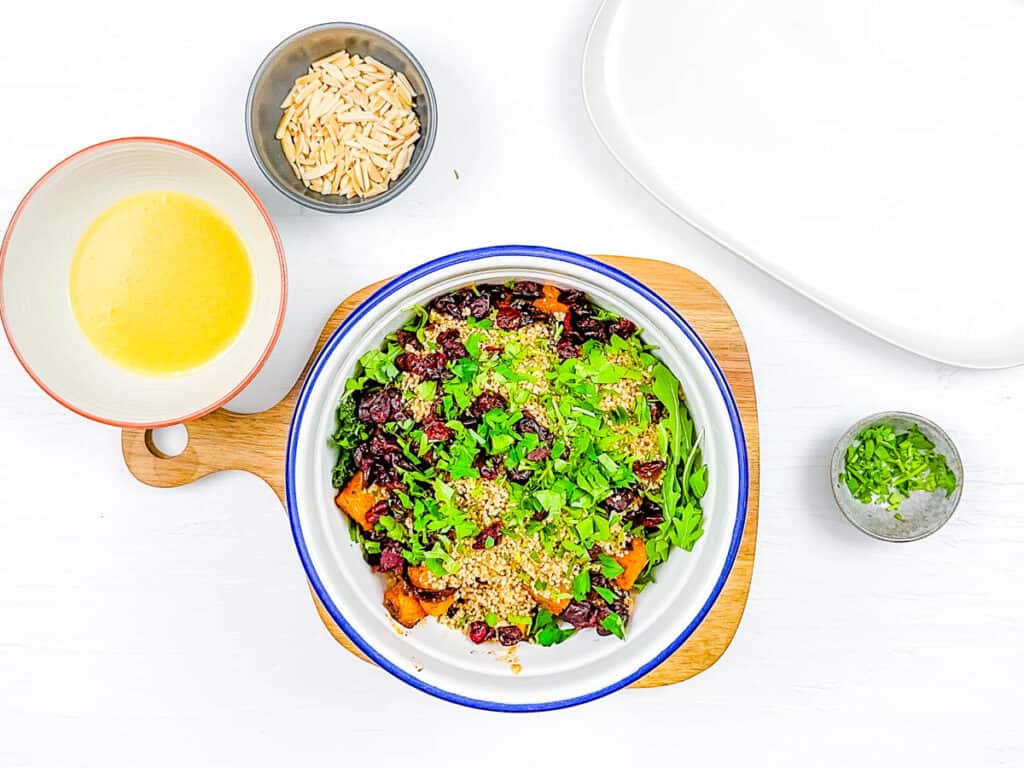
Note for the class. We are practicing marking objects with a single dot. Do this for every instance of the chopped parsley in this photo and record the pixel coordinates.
(883, 467)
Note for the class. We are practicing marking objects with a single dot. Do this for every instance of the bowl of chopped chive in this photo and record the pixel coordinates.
(896, 476)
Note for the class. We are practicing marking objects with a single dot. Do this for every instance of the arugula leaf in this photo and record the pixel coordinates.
(350, 432)
(699, 481)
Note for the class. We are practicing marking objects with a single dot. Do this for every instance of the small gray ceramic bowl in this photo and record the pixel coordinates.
(923, 513)
(289, 61)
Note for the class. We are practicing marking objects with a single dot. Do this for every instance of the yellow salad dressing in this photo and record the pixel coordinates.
(160, 283)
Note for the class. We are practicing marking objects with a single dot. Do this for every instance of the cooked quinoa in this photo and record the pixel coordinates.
(517, 462)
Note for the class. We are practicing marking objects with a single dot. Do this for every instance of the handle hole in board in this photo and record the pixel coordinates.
(167, 442)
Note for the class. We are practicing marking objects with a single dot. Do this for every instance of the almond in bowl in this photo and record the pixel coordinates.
(349, 126)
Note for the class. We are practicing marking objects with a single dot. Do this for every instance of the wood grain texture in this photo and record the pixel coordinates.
(256, 443)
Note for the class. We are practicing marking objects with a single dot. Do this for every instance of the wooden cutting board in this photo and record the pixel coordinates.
(256, 443)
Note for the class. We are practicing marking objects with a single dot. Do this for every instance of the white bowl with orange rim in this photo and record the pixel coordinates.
(62, 246)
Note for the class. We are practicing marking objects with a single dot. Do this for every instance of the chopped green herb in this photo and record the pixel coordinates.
(609, 567)
(581, 585)
(883, 467)
(606, 594)
(613, 623)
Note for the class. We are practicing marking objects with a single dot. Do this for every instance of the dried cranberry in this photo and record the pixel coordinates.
(528, 308)
(587, 327)
(378, 458)
(487, 401)
(539, 453)
(430, 366)
(479, 306)
(496, 293)
(450, 344)
(647, 515)
(451, 304)
(648, 470)
(494, 350)
(528, 288)
(407, 339)
(439, 431)
(381, 406)
(619, 499)
(572, 297)
(599, 579)
(529, 424)
(488, 472)
(654, 405)
(390, 561)
(580, 613)
(373, 514)
(492, 532)
(600, 612)
(509, 635)
(622, 327)
(478, 631)
(509, 318)
(566, 349)
(487, 466)
(383, 443)
(432, 595)
(520, 476)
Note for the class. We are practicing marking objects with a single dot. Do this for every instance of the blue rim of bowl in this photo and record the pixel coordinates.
(462, 257)
(424, 145)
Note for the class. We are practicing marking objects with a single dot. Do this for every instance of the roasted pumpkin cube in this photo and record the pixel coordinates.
(549, 301)
(403, 605)
(632, 562)
(552, 598)
(437, 608)
(420, 576)
(355, 500)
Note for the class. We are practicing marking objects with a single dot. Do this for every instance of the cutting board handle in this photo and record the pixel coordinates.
(218, 441)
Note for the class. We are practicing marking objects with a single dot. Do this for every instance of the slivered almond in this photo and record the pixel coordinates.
(356, 116)
(289, 148)
(317, 171)
(348, 126)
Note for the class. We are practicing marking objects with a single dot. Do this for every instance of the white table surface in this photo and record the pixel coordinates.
(154, 627)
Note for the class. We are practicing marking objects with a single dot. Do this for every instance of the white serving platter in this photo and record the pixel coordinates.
(868, 154)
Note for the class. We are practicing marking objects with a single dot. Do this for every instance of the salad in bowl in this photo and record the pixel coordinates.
(516, 478)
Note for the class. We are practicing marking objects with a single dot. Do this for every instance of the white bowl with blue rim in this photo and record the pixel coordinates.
(441, 661)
